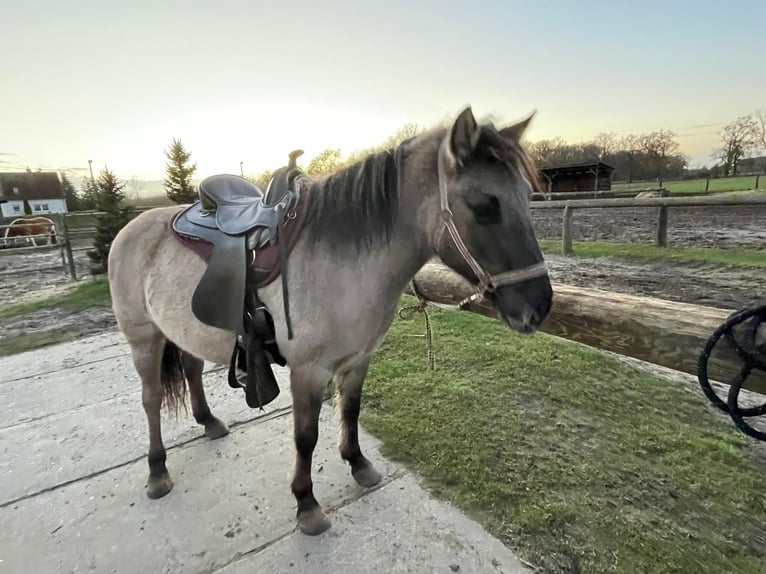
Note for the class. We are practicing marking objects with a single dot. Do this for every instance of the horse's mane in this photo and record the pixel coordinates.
(357, 205)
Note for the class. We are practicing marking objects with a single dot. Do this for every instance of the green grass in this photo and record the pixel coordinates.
(680, 187)
(85, 296)
(576, 461)
(31, 341)
(751, 258)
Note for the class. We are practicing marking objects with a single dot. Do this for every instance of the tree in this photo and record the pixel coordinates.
(135, 187)
(738, 140)
(262, 179)
(658, 146)
(109, 195)
(88, 194)
(759, 116)
(70, 195)
(607, 144)
(179, 172)
(326, 162)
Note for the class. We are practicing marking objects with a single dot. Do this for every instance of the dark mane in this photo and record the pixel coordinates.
(357, 206)
(512, 153)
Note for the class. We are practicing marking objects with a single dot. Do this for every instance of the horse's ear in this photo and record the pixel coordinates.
(515, 131)
(463, 136)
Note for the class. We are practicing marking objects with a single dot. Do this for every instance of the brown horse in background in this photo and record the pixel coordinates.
(34, 229)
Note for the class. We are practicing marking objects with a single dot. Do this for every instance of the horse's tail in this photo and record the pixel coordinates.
(173, 378)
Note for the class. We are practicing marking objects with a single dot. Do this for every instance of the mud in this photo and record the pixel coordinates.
(736, 227)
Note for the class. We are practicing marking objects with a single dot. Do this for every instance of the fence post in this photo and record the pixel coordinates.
(68, 248)
(757, 179)
(662, 222)
(707, 184)
(566, 231)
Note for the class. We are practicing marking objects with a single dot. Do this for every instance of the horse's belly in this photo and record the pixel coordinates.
(169, 292)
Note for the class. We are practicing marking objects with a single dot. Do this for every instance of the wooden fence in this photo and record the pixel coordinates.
(662, 332)
(663, 204)
(61, 235)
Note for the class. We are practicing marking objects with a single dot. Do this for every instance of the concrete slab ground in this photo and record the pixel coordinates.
(73, 471)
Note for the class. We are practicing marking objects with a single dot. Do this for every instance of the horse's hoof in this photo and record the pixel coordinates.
(215, 428)
(367, 476)
(313, 522)
(159, 486)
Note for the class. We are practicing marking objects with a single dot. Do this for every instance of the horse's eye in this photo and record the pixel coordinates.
(486, 210)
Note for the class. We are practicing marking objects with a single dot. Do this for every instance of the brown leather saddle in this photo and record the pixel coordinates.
(245, 236)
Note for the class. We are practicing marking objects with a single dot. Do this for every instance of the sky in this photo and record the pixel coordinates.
(248, 81)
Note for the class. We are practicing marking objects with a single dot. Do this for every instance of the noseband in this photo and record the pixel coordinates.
(488, 283)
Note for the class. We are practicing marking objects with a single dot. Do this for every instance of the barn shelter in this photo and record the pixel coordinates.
(583, 176)
(31, 193)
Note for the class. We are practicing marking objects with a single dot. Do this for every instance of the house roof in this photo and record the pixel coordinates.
(30, 185)
(578, 167)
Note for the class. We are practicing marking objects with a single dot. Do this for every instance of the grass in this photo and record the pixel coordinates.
(37, 340)
(750, 258)
(577, 462)
(680, 187)
(85, 296)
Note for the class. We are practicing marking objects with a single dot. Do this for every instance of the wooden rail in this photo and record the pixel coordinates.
(662, 204)
(662, 332)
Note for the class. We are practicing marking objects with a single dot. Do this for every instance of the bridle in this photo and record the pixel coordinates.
(488, 283)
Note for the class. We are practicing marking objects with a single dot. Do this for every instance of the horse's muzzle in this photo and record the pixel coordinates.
(524, 306)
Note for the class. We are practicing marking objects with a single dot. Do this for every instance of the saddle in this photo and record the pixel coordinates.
(245, 236)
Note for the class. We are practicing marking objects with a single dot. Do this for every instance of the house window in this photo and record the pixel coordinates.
(41, 207)
(16, 209)
(16, 190)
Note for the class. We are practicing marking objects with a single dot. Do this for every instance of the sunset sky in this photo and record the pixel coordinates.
(251, 80)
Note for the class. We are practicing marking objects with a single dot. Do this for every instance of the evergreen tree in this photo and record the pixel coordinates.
(109, 198)
(88, 193)
(179, 172)
(70, 195)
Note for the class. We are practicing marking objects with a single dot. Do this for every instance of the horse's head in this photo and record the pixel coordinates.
(485, 231)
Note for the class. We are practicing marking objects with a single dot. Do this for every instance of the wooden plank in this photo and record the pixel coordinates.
(662, 332)
(697, 201)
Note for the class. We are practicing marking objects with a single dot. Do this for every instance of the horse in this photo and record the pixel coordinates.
(31, 228)
(459, 191)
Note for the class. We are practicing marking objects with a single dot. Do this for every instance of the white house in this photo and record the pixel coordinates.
(31, 193)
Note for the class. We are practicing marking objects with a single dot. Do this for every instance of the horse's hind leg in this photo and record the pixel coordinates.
(214, 427)
(348, 399)
(155, 358)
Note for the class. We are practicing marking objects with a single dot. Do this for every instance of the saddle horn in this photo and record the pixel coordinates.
(294, 155)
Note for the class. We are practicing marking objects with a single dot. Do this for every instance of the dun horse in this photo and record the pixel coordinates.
(458, 192)
(33, 229)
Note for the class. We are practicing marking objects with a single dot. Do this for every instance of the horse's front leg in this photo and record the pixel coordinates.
(307, 384)
(349, 389)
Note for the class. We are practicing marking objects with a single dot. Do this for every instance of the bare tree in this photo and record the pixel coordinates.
(738, 140)
(759, 117)
(134, 189)
(607, 143)
(658, 145)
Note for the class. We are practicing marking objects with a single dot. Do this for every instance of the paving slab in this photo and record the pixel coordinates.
(52, 359)
(397, 528)
(73, 474)
(54, 426)
(230, 496)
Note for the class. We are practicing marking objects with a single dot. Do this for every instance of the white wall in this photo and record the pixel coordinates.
(43, 206)
(12, 209)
